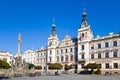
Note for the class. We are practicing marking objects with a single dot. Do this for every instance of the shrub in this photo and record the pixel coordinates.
(30, 65)
(67, 67)
(4, 65)
(98, 71)
(38, 67)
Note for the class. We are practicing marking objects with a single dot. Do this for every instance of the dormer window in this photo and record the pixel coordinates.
(66, 43)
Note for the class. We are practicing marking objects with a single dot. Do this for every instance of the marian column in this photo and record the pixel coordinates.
(19, 42)
(20, 66)
(18, 60)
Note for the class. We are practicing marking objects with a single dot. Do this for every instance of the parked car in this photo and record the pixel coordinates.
(84, 72)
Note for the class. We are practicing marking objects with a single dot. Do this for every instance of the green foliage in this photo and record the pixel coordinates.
(54, 66)
(38, 67)
(4, 65)
(92, 66)
(30, 65)
(98, 71)
(68, 67)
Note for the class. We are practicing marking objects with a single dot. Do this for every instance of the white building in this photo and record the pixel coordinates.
(82, 50)
(41, 58)
(29, 56)
(6, 56)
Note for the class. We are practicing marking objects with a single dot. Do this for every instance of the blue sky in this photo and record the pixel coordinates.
(33, 19)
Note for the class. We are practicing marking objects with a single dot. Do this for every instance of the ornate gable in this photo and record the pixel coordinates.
(67, 41)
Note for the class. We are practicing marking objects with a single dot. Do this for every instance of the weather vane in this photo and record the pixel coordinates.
(53, 20)
(84, 4)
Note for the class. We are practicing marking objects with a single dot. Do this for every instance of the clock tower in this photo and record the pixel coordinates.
(85, 35)
(53, 42)
(84, 32)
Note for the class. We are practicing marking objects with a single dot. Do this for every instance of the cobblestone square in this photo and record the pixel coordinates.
(71, 77)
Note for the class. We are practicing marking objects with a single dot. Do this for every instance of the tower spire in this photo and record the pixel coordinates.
(84, 17)
(53, 32)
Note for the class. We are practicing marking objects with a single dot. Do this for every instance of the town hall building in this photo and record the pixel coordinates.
(81, 50)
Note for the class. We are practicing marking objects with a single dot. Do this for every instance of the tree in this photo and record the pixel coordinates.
(38, 67)
(55, 66)
(68, 67)
(30, 65)
(4, 65)
(92, 66)
(98, 71)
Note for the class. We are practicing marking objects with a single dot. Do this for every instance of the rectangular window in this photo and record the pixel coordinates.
(107, 65)
(115, 65)
(107, 54)
(106, 44)
(92, 47)
(99, 45)
(83, 47)
(66, 50)
(50, 59)
(57, 52)
(100, 66)
(114, 43)
(71, 50)
(38, 54)
(44, 60)
(82, 56)
(41, 54)
(99, 55)
(82, 66)
(41, 60)
(50, 52)
(57, 59)
(62, 58)
(115, 54)
(92, 56)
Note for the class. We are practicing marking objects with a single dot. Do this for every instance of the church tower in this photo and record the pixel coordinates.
(53, 39)
(53, 42)
(84, 32)
(84, 36)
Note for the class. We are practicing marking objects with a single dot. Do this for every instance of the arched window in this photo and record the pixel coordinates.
(71, 57)
(66, 58)
(82, 35)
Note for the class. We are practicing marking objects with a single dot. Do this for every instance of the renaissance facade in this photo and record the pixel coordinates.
(82, 50)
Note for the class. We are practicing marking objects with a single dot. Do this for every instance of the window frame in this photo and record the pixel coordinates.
(99, 45)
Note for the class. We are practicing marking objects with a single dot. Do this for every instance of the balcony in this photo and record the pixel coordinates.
(81, 61)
